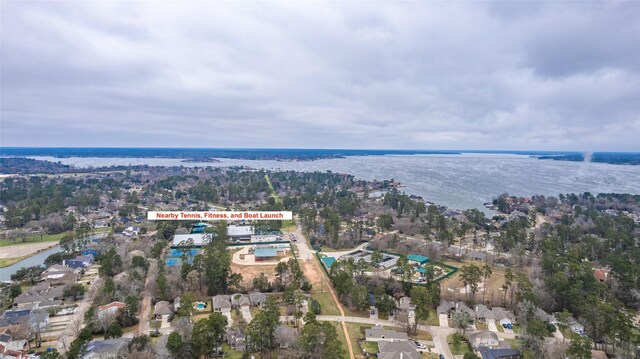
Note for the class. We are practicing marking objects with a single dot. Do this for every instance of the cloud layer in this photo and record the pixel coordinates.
(461, 75)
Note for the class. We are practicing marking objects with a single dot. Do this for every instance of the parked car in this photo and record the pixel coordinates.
(419, 345)
(441, 356)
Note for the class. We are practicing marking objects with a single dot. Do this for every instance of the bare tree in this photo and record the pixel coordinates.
(461, 320)
(75, 325)
(184, 327)
(105, 319)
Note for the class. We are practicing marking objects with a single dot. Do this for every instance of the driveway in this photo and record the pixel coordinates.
(491, 325)
(246, 313)
(558, 334)
(227, 313)
(444, 320)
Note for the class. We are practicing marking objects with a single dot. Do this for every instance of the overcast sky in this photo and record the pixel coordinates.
(386, 75)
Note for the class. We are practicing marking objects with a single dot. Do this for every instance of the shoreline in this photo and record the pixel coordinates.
(9, 261)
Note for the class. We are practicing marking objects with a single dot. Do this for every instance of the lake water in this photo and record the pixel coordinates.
(456, 181)
(35, 260)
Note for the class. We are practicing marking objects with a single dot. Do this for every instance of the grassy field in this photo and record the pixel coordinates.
(459, 349)
(356, 336)
(370, 347)
(5, 262)
(34, 239)
(422, 335)
(230, 353)
(37, 238)
(343, 339)
(327, 303)
(433, 318)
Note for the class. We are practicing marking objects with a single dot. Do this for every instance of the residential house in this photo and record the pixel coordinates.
(90, 252)
(462, 307)
(257, 299)
(162, 309)
(484, 338)
(601, 274)
(221, 303)
(236, 338)
(397, 350)
(405, 307)
(445, 307)
(286, 337)
(483, 313)
(503, 316)
(544, 316)
(79, 262)
(379, 334)
(131, 231)
(110, 309)
(576, 327)
(490, 353)
(9, 353)
(453, 252)
(101, 223)
(239, 300)
(58, 274)
(476, 256)
(106, 349)
(13, 319)
(11, 347)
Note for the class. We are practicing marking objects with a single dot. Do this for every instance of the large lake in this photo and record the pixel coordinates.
(456, 181)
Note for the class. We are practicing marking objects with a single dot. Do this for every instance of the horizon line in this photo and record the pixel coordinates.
(323, 149)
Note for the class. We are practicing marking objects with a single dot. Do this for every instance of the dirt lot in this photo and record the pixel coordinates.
(494, 295)
(313, 273)
(250, 272)
(21, 250)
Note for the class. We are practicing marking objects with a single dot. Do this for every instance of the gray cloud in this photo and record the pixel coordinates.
(462, 75)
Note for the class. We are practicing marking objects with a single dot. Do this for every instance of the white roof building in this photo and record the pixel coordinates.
(198, 239)
(239, 231)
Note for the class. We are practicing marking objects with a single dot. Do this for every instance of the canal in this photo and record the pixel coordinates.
(35, 260)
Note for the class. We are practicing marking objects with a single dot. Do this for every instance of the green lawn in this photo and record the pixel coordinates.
(327, 303)
(460, 349)
(254, 311)
(230, 353)
(356, 336)
(369, 347)
(350, 313)
(33, 239)
(433, 318)
(343, 339)
(422, 335)
(36, 238)
(5, 262)
(236, 315)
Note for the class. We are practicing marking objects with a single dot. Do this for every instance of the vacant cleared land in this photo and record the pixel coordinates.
(251, 272)
(27, 249)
